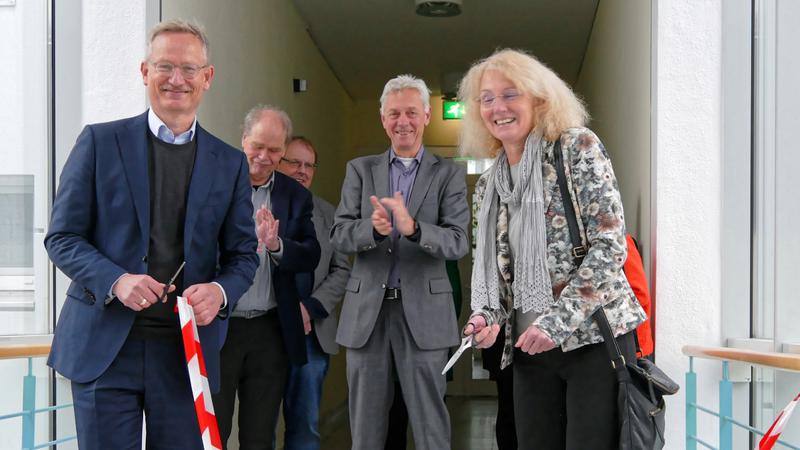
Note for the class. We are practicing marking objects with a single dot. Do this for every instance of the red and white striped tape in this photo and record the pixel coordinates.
(774, 432)
(198, 377)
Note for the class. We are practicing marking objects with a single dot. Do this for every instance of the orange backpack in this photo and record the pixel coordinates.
(634, 272)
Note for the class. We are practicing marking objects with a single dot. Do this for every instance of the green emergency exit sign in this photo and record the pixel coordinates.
(452, 110)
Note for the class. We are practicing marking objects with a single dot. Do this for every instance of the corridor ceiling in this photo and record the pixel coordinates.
(366, 42)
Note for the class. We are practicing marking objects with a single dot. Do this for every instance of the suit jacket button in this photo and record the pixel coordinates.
(144, 259)
(383, 286)
(389, 251)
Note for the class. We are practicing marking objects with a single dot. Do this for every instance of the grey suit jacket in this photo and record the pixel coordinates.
(438, 203)
(330, 277)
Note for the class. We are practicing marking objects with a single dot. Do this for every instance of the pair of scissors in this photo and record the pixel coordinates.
(169, 283)
(465, 344)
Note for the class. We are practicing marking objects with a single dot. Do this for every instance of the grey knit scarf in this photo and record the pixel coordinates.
(531, 286)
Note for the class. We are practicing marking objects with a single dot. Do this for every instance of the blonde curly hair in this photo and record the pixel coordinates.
(558, 110)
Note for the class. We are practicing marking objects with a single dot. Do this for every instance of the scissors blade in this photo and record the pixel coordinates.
(465, 344)
(171, 280)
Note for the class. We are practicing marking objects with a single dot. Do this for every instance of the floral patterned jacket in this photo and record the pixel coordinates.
(599, 281)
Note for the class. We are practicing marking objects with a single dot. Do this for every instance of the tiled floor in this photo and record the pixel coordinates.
(471, 418)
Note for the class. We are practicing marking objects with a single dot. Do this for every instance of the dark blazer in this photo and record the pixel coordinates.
(292, 206)
(324, 289)
(100, 229)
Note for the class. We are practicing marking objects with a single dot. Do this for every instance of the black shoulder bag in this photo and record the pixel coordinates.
(642, 385)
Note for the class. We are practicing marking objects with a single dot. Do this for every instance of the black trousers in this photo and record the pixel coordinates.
(254, 363)
(505, 428)
(568, 400)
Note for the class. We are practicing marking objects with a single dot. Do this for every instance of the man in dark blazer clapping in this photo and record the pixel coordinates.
(266, 330)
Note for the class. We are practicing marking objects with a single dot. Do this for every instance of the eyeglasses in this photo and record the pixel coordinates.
(508, 96)
(188, 71)
(296, 163)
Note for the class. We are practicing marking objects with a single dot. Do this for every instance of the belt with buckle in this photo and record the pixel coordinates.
(253, 313)
(392, 294)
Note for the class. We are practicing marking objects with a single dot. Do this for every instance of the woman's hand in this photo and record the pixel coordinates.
(534, 340)
(482, 335)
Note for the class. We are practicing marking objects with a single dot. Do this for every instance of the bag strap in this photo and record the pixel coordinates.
(579, 252)
(578, 249)
(617, 360)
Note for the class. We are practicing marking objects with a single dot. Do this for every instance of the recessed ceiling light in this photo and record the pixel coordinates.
(438, 8)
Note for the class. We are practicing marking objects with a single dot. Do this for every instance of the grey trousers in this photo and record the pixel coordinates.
(371, 385)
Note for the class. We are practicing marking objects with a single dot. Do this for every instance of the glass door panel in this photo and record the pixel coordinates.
(776, 302)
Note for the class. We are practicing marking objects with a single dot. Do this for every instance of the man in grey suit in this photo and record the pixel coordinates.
(320, 292)
(402, 213)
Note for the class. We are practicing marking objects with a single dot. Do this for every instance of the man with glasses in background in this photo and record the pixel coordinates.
(320, 292)
(137, 197)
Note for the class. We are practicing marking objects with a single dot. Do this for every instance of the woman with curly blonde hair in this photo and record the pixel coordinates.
(525, 277)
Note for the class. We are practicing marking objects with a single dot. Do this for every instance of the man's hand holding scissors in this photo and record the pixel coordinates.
(139, 291)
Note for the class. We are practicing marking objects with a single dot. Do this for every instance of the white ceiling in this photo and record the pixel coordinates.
(367, 42)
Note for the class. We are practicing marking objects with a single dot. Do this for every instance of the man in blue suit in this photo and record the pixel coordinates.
(137, 197)
(266, 328)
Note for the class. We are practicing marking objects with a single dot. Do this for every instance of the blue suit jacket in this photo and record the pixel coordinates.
(293, 207)
(100, 229)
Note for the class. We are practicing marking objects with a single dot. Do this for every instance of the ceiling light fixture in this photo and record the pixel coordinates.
(447, 8)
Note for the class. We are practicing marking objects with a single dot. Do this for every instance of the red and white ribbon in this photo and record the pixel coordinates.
(774, 432)
(198, 377)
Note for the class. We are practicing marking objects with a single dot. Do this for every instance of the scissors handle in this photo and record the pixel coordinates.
(169, 283)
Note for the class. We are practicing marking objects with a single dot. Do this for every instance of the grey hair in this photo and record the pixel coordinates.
(178, 26)
(407, 81)
(255, 113)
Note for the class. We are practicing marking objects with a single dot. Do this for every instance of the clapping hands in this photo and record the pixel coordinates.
(402, 219)
(267, 230)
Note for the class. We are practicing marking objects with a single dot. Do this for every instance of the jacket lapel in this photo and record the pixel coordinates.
(427, 169)
(380, 176)
(280, 202)
(203, 175)
(132, 142)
